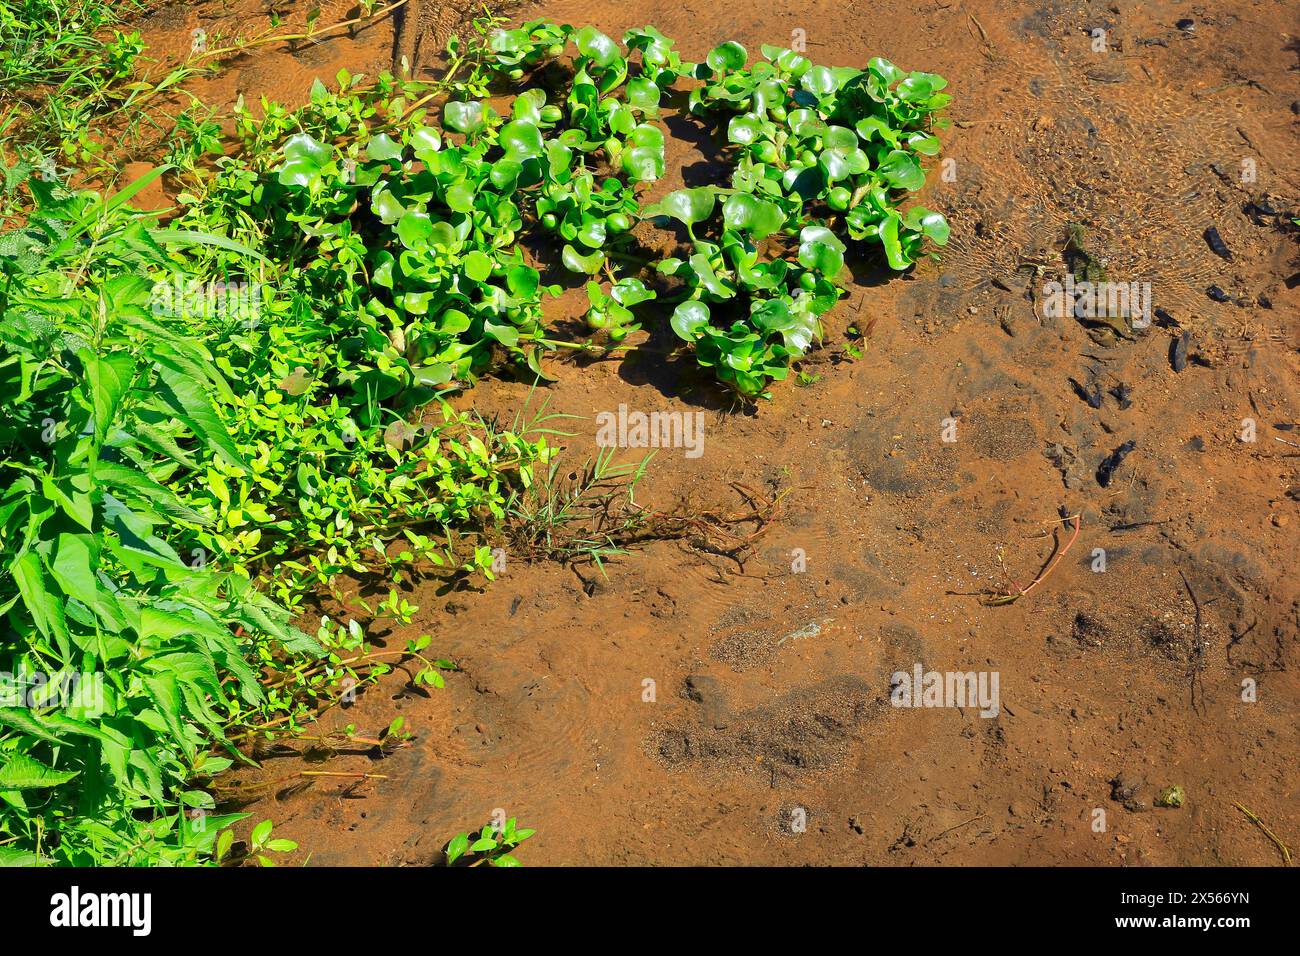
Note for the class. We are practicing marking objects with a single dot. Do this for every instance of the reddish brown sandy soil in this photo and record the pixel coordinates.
(757, 713)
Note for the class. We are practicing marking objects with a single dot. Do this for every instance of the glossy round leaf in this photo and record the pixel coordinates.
(600, 49)
(477, 265)
(386, 206)
(575, 261)
(643, 95)
(819, 81)
(901, 171)
(744, 129)
(521, 141)
(301, 147)
(842, 163)
(383, 147)
(756, 216)
(931, 224)
(415, 229)
(728, 56)
(463, 117)
(687, 205)
(689, 318)
(425, 141)
(894, 254)
(822, 250)
(460, 197)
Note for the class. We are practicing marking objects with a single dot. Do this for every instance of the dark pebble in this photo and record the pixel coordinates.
(1217, 294)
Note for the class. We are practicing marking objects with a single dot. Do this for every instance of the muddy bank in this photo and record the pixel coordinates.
(687, 709)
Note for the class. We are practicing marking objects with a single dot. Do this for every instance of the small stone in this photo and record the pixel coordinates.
(1280, 521)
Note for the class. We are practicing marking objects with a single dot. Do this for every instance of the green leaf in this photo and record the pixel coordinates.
(689, 318)
(190, 402)
(415, 229)
(521, 141)
(457, 847)
(477, 265)
(745, 129)
(386, 206)
(166, 697)
(643, 94)
(874, 127)
(819, 81)
(261, 832)
(425, 142)
(756, 216)
(575, 261)
(842, 163)
(108, 379)
(931, 224)
(135, 485)
(460, 197)
(600, 49)
(47, 612)
(687, 205)
(901, 170)
(894, 254)
(382, 147)
(821, 250)
(22, 720)
(463, 117)
(188, 237)
(21, 772)
(727, 56)
(924, 143)
(303, 159)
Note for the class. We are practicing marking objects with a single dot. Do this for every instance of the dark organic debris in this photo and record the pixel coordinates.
(1164, 319)
(1081, 262)
(1260, 212)
(1217, 294)
(1178, 351)
(1090, 393)
(1187, 25)
(1113, 461)
(1216, 243)
(1127, 789)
